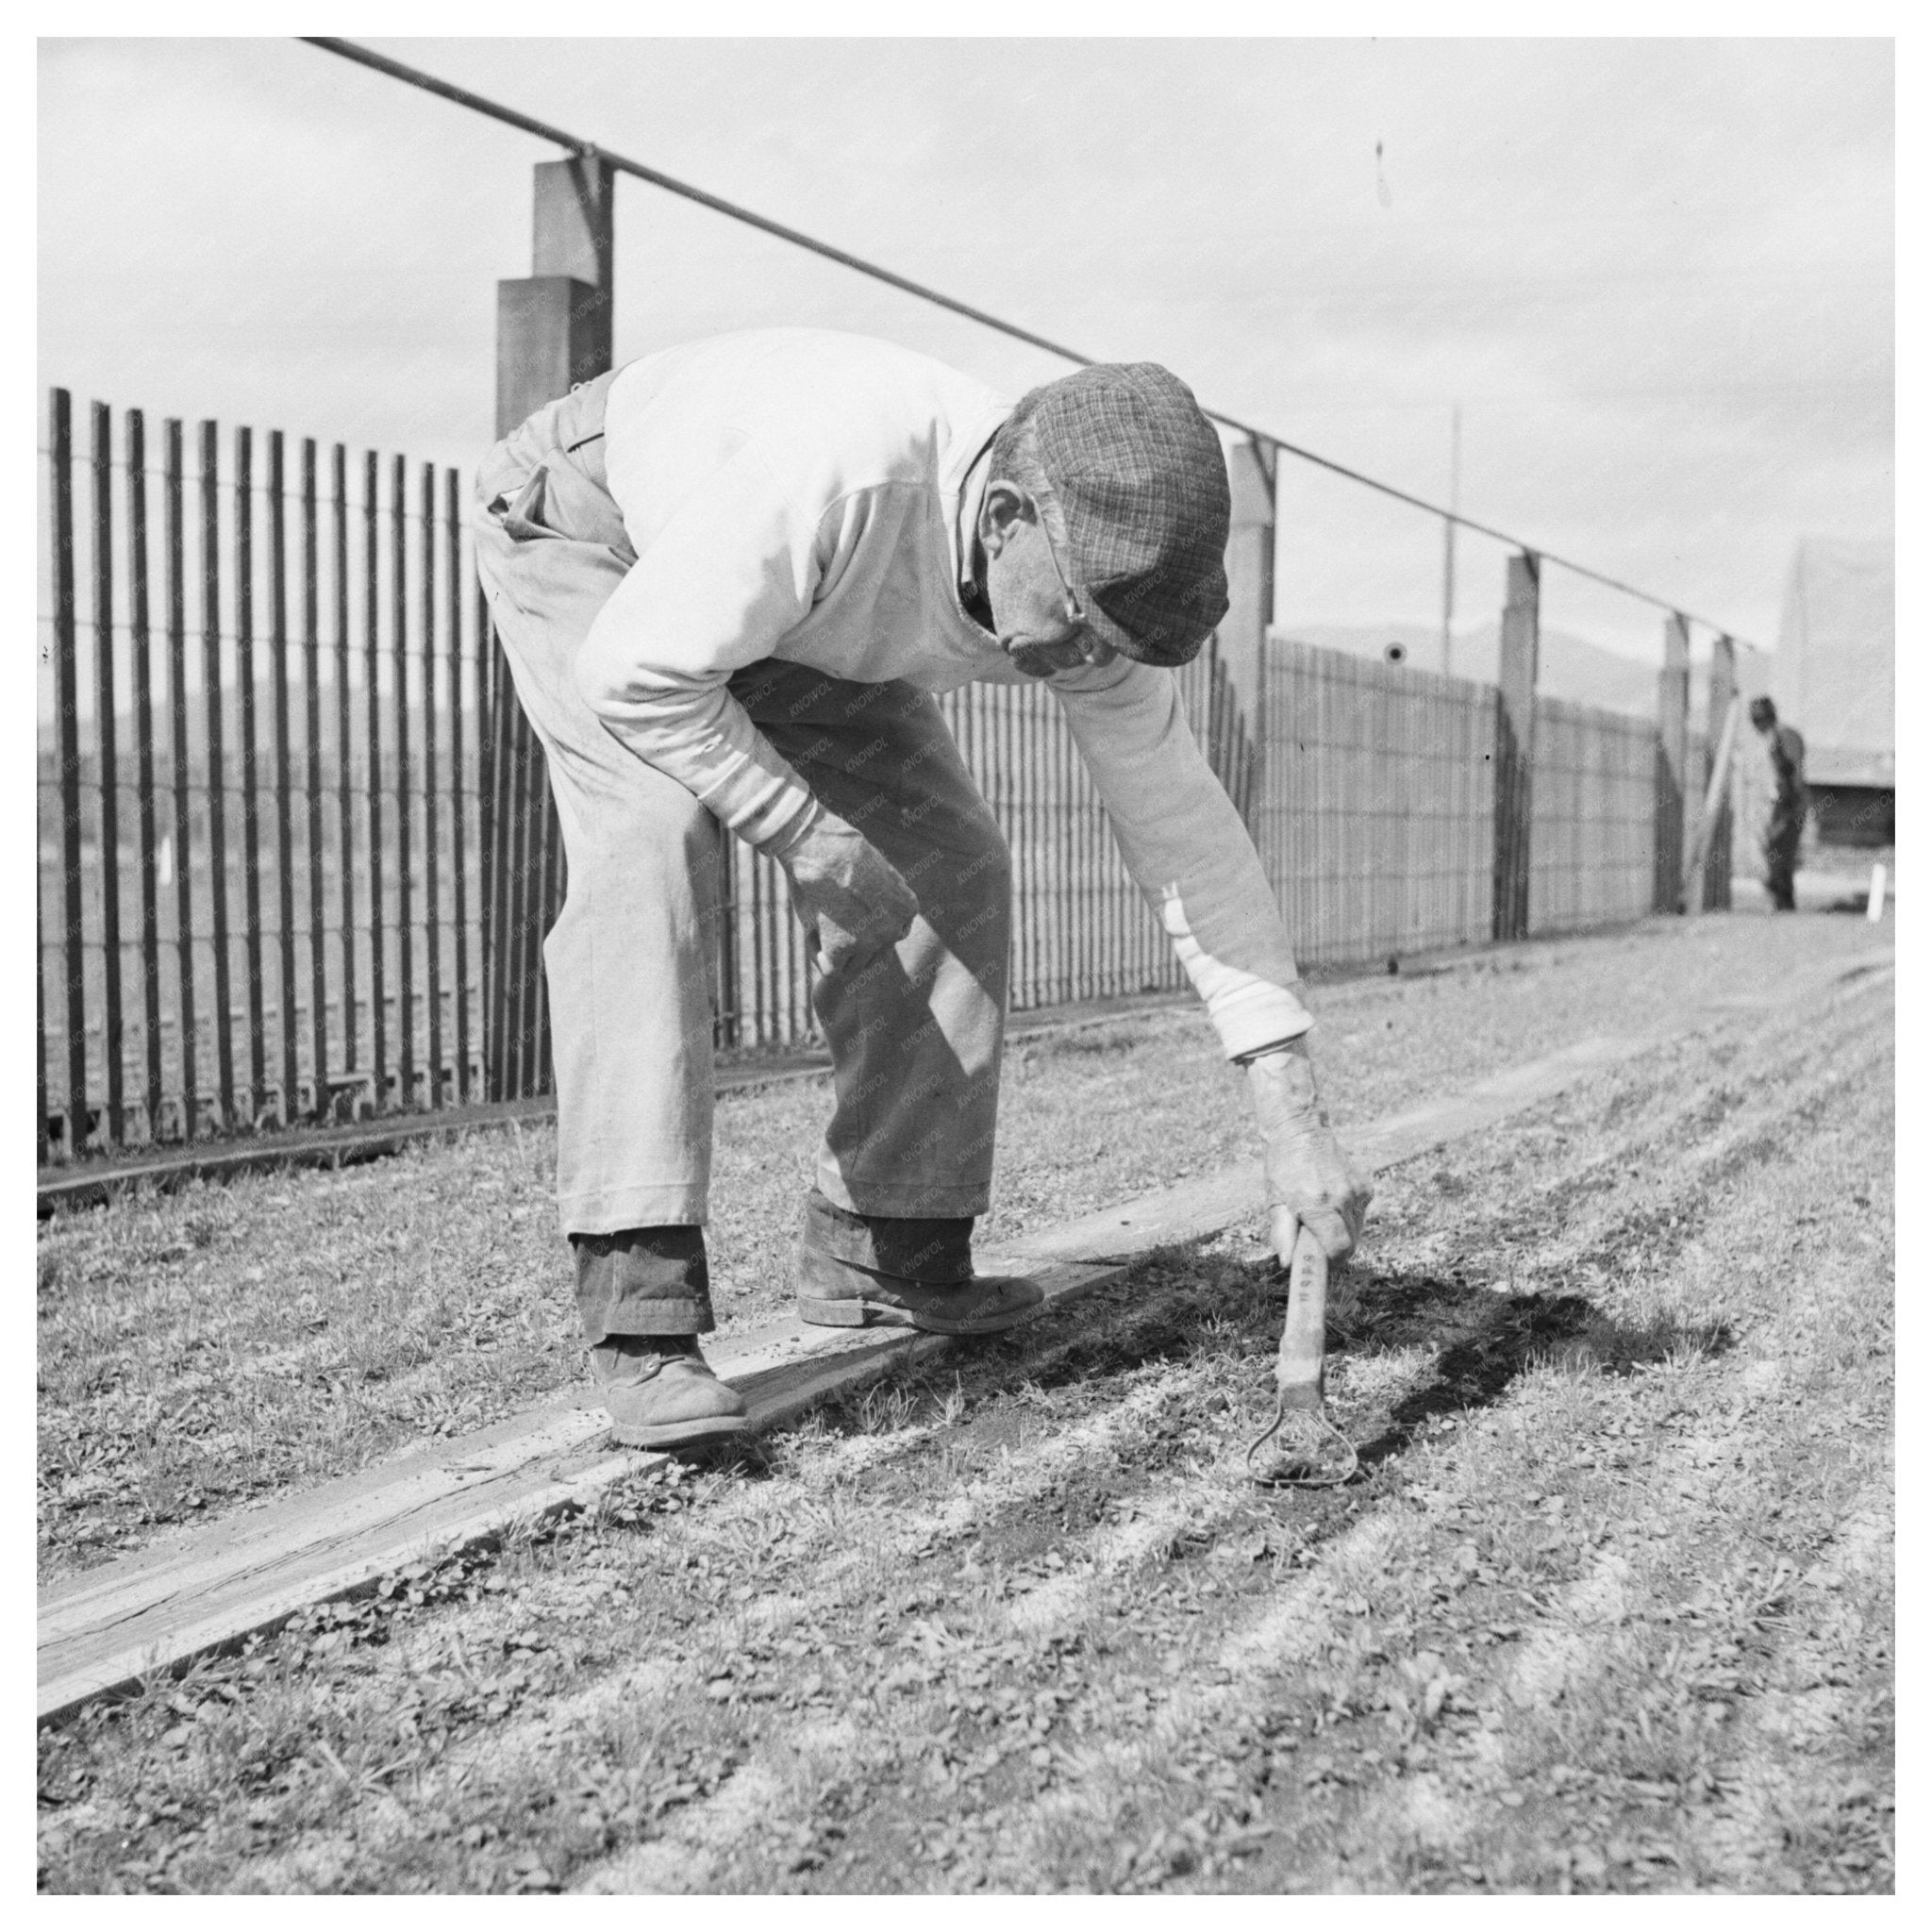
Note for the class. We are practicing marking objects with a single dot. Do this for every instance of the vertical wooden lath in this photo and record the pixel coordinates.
(106, 727)
(176, 550)
(315, 853)
(67, 725)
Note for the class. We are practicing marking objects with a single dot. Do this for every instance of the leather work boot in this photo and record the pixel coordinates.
(661, 1393)
(841, 1295)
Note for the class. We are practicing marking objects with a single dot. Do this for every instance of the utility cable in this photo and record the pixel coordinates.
(528, 124)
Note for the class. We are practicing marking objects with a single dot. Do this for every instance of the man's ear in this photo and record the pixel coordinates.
(1001, 509)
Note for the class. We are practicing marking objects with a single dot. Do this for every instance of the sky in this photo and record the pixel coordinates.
(1657, 276)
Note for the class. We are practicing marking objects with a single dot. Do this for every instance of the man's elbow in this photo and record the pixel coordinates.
(601, 680)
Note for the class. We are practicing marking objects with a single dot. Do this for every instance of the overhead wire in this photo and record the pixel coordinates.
(576, 144)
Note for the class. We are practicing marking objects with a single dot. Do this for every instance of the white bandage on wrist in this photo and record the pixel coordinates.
(1250, 1014)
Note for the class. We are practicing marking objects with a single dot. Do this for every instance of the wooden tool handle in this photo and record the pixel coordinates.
(1305, 1333)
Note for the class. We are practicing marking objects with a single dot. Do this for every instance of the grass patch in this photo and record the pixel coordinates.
(1608, 1610)
(201, 1348)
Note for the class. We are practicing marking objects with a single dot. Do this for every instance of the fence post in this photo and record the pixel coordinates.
(1516, 670)
(1243, 632)
(1673, 730)
(1717, 856)
(553, 329)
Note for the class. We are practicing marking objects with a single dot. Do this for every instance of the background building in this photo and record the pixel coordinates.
(1832, 677)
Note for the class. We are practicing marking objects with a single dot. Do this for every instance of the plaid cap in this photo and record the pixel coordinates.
(1139, 478)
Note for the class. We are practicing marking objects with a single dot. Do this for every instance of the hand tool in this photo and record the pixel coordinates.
(1317, 1456)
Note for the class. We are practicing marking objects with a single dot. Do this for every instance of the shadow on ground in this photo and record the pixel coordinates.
(1180, 1302)
(1485, 1340)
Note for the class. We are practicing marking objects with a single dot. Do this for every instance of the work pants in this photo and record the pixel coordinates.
(1781, 838)
(915, 1033)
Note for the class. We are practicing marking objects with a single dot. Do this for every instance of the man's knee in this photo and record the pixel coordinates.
(986, 879)
(965, 889)
(641, 846)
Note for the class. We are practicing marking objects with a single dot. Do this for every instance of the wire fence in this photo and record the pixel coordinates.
(296, 859)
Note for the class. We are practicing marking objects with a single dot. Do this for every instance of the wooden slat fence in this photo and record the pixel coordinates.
(267, 913)
(1080, 927)
(1375, 822)
(1594, 797)
(297, 857)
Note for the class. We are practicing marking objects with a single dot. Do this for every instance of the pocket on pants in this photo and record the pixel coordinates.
(554, 500)
(516, 516)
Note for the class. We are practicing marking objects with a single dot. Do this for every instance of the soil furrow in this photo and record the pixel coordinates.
(1608, 1609)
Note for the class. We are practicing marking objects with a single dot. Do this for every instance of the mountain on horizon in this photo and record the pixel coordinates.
(1568, 666)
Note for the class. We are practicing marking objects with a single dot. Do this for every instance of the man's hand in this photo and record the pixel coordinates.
(846, 892)
(1311, 1181)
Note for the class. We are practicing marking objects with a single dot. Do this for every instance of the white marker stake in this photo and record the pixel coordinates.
(1874, 899)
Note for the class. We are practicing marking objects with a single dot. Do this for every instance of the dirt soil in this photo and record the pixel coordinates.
(204, 1350)
(1609, 1608)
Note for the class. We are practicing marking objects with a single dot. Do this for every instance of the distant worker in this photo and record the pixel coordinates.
(1785, 822)
(729, 579)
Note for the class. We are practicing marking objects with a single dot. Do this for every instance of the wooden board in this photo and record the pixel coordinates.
(111, 1626)
(115, 1624)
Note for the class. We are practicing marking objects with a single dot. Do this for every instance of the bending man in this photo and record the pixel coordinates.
(729, 579)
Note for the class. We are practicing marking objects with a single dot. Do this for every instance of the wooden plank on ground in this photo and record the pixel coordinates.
(1205, 1205)
(111, 1626)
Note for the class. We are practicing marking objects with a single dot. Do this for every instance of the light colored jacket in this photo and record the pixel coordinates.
(795, 494)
